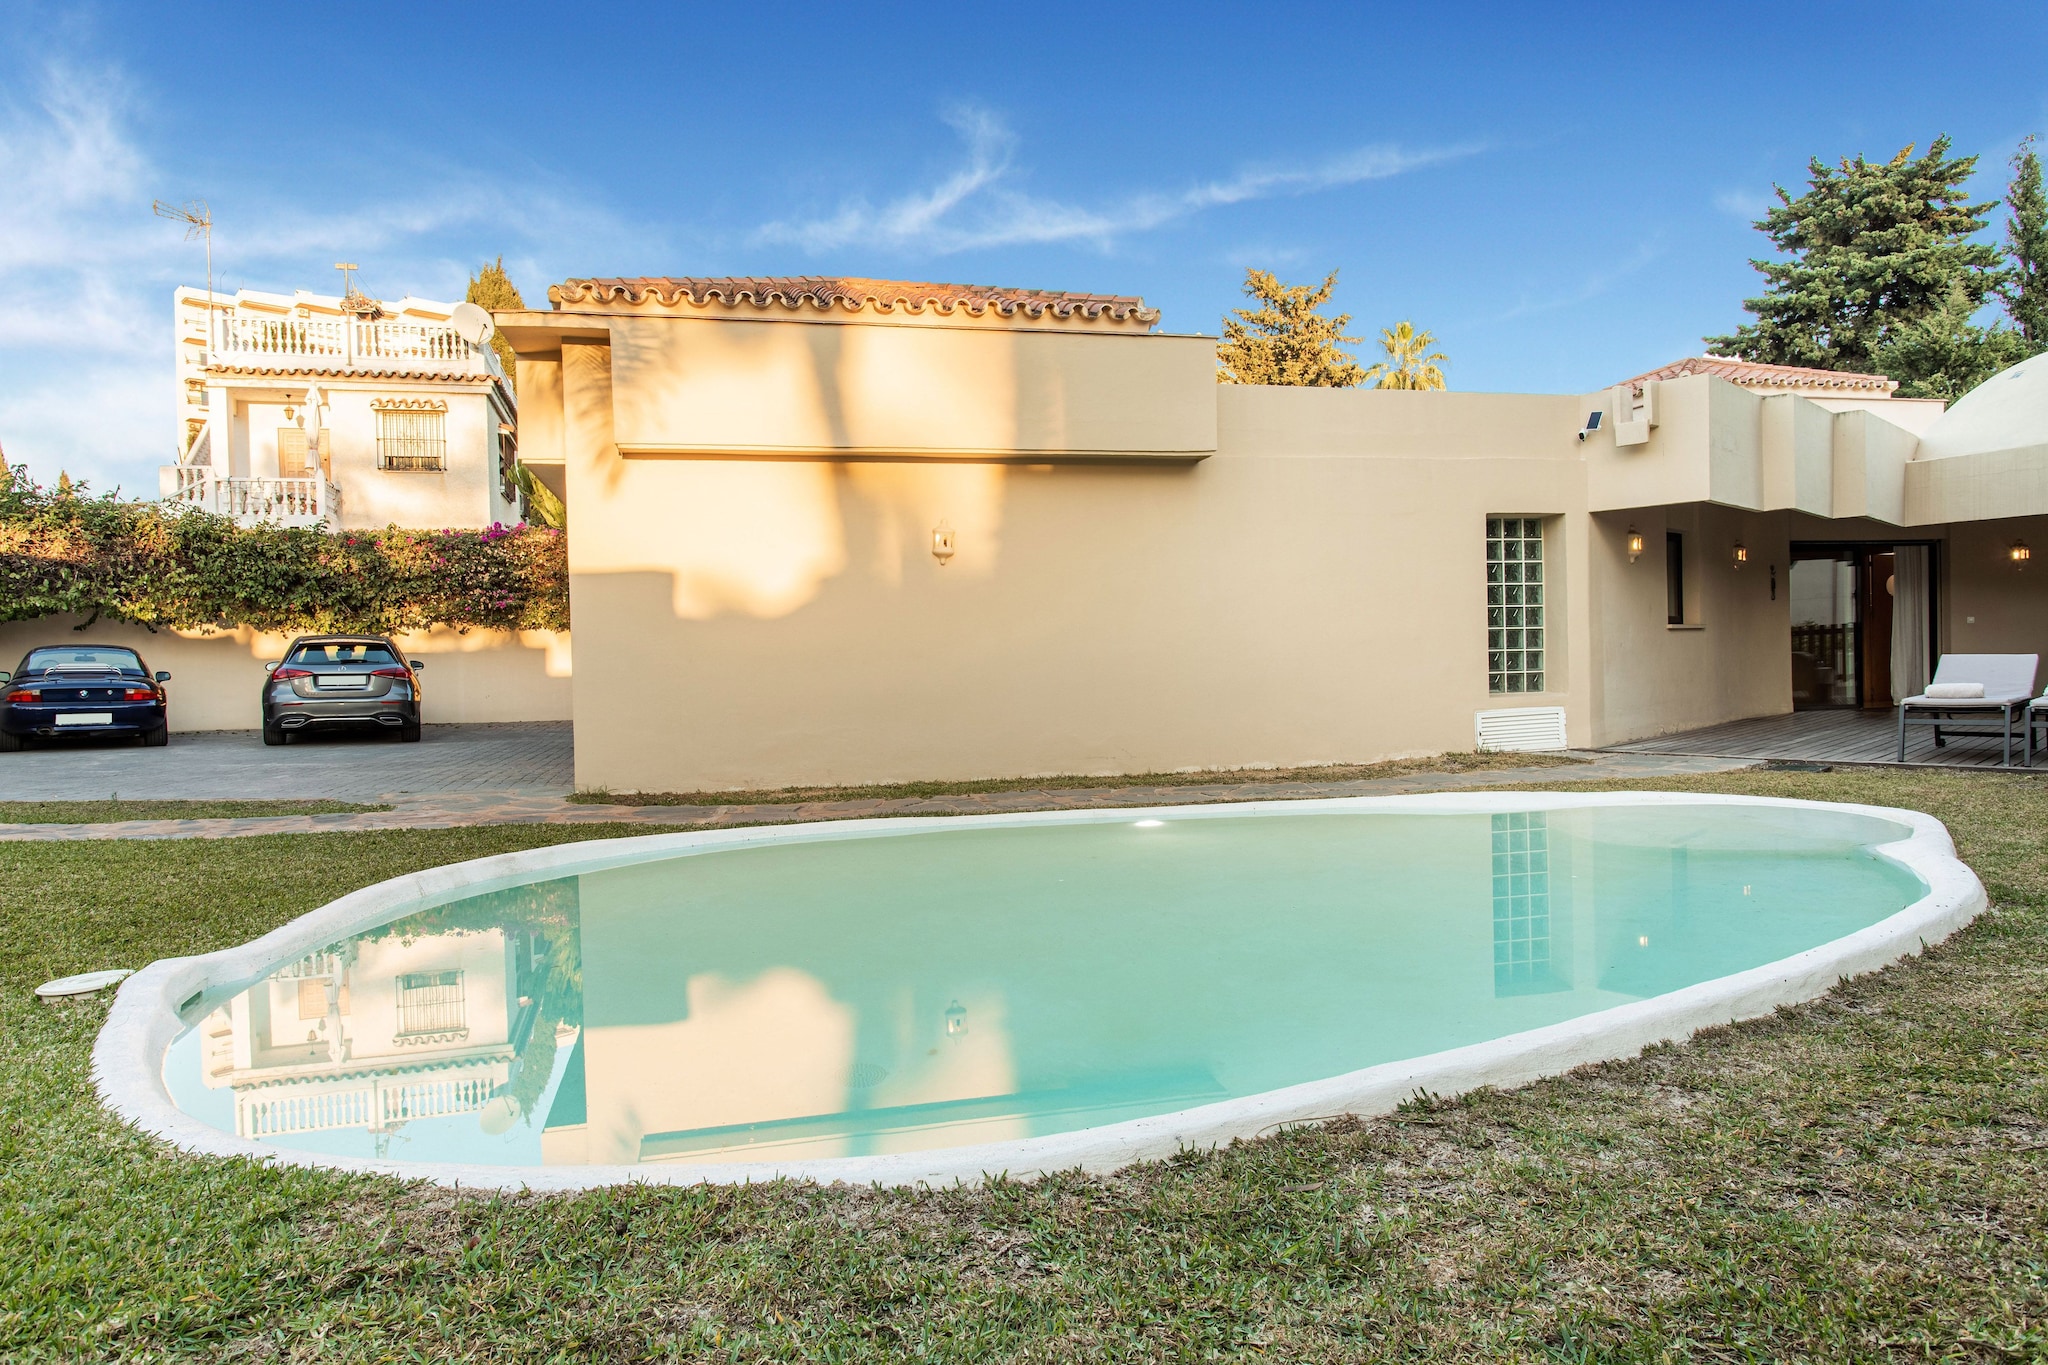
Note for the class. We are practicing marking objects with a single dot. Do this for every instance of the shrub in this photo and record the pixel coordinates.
(159, 565)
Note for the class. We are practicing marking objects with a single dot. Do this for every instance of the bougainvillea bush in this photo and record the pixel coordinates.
(62, 551)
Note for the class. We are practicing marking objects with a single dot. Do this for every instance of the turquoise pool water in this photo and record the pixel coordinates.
(851, 996)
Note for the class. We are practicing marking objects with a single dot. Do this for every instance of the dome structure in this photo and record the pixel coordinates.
(2006, 414)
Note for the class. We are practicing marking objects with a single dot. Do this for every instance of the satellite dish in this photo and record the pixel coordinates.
(471, 323)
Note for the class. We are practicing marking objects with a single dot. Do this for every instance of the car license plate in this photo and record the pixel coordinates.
(86, 718)
(342, 682)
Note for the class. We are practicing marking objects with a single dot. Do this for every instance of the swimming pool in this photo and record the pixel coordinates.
(936, 999)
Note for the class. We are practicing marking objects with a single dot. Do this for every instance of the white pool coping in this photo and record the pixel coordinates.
(128, 1058)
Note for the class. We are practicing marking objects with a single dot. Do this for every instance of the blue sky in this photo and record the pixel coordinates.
(1563, 198)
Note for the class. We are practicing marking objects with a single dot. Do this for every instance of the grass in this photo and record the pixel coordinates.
(1334, 772)
(1863, 1178)
(104, 812)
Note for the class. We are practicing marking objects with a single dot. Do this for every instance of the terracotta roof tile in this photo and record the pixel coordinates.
(853, 294)
(1751, 374)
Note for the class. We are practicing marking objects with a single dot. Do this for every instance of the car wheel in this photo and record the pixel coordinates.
(409, 732)
(11, 744)
(274, 734)
(157, 738)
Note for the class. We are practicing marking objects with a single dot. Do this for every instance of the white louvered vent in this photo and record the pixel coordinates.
(1526, 729)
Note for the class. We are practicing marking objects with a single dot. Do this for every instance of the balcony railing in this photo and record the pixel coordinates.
(337, 344)
(284, 502)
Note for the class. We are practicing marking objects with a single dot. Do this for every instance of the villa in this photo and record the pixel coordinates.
(866, 531)
(306, 408)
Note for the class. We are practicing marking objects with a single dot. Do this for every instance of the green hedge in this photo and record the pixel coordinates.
(64, 552)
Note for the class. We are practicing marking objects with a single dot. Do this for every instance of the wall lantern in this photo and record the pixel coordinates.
(1635, 544)
(1741, 554)
(2020, 553)
(956, 1019)
(942, 542)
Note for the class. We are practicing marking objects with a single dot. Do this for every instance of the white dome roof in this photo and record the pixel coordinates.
(2008, 411)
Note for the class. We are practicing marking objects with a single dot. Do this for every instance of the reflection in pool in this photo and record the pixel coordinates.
(848, 996)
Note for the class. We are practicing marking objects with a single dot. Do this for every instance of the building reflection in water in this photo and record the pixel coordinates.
(452, 1011)
(1530, 957)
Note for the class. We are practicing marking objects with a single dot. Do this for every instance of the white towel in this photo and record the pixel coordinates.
(1955, 691)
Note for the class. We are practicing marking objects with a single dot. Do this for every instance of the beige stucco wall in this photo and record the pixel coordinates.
(217, 677)
(700, 386)
(1994, 606)
(1313, 592)
(1731, 658)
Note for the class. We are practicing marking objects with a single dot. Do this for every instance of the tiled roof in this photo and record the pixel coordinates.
(854, 294)
(1752, 374)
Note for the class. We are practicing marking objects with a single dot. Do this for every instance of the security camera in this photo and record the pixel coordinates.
(1592, 424)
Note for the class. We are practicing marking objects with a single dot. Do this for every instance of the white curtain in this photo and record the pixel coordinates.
(1910, 590)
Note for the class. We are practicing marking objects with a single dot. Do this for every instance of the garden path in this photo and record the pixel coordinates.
(476, 803)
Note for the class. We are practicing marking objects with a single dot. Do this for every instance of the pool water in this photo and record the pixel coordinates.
(851, 996)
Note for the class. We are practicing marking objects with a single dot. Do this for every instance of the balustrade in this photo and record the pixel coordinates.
(348, 343)
(301, 502)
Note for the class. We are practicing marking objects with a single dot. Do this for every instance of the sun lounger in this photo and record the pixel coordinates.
(2037, 714)
(2008, 682)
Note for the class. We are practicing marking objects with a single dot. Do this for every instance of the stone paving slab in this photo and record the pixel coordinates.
(536, 758)
(447, 810)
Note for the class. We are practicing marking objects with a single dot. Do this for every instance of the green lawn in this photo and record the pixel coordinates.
(1863, 1178)
(1332, 772)
(102, 812)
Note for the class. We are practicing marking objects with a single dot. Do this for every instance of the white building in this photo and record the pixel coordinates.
(303, 408)
(375, 1034)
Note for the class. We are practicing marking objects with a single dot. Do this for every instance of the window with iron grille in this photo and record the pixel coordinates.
(412, 440)
(430, 1002)
(1514, 604)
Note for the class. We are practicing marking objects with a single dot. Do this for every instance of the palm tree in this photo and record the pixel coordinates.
(1410, 364)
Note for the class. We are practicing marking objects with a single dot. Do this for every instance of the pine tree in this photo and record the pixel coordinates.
(1287, 340)
(2025, 291)
(1871, 248)
(491, 288)
(1410, 364)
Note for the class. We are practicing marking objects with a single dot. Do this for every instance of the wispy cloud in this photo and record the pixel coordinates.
(1748, 205)
(85, 342)
(980, 204)
(1590, 287)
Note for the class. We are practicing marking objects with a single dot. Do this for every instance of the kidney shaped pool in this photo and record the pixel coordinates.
(800, 999)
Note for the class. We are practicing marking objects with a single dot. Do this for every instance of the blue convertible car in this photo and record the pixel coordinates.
(82, 690)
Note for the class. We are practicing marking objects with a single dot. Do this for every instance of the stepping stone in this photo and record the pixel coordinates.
(84, 984)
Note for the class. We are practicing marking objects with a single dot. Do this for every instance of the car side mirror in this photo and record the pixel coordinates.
(162, 676)
(273, 665)
(416, 664)
(5, 675)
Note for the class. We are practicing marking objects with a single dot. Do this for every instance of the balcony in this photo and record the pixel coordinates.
(281, 502)
(340, 345)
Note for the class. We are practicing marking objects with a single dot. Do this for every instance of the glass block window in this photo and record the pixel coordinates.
(1514, 604)
(1521, 905)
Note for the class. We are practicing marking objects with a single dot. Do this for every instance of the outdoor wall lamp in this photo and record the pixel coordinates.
(2020, 553)
(1635, 544)
(942, 542)
(1741, 554)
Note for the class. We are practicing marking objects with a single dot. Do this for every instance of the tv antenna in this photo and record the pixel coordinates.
(347, 285)
(198, 221)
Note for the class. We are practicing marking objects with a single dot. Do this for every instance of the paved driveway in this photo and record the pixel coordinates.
(528, 759)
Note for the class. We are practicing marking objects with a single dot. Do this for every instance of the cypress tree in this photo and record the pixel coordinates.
(1870, 249)
(1287, 339)
(2026, 234)
(491, 288)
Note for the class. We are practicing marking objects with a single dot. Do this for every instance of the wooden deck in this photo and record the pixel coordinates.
(1832, 737)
